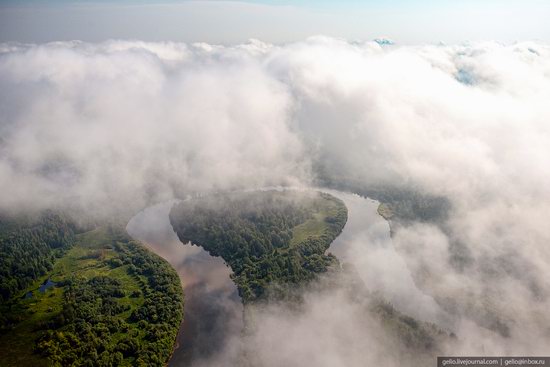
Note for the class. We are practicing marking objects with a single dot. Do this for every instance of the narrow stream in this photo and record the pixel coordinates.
(213, 310)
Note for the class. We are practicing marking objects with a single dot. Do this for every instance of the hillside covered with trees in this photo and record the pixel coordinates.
(268, 238)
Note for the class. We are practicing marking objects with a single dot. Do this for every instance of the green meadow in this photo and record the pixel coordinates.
(44, 326)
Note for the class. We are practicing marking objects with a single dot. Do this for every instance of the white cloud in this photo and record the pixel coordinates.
(119, 124)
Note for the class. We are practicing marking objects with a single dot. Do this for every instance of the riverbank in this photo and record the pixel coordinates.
(214, 313)
(111, 287)
(213, 309)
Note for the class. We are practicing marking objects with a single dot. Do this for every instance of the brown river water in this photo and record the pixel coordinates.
(213, 314)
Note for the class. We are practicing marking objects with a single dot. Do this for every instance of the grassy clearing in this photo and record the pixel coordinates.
(89, 258)
(317, 225)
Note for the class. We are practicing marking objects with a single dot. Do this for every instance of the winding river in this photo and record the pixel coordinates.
(213, 310)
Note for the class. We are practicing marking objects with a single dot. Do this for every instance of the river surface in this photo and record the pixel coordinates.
(213, 310)
(213, 314)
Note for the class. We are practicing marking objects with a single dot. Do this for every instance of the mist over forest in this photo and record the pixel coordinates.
(103, 130)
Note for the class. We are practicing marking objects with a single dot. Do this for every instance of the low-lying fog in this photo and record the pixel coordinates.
(213, 325)
(108, 129)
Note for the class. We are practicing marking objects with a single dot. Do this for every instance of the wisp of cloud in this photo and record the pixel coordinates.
(107, 129)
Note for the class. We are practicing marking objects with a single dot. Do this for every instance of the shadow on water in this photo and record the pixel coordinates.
(47, 284)
(213, 309)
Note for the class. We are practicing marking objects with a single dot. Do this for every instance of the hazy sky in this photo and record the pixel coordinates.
(405, 21)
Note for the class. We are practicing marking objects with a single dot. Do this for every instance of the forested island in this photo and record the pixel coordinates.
(83, 298)
(268, 238)
(275, 242)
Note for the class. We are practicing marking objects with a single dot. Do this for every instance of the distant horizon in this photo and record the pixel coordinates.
(379, 40)
(278, 22)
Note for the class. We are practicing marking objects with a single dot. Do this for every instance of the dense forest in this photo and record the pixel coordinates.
(111, 303)
(266, 237)
(29, 247)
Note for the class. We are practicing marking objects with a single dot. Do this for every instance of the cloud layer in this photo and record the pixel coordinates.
(112, 127)
(117, 123)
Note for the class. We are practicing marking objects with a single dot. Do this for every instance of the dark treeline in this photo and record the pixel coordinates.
(254, 233)
(405, 204)
(29, 248)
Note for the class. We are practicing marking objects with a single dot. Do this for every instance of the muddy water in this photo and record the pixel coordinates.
(213, 310)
